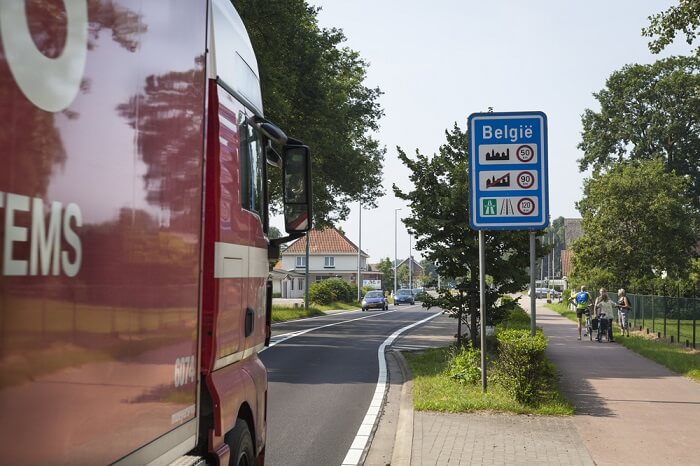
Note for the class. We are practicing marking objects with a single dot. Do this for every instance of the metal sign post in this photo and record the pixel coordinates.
(482, 306)
(533, 290)
(508, 187)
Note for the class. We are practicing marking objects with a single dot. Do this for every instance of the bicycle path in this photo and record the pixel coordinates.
(629, 410)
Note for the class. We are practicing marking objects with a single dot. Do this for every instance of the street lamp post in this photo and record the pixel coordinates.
(359, 259)
(395, 251)
(410, 264)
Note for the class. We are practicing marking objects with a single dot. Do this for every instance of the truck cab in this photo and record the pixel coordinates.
(134, 219)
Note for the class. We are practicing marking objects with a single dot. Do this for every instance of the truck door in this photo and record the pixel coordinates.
(235, 238)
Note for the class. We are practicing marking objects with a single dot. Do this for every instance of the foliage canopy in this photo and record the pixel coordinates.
(663, 27)
(648, 112)
(313, 88)
(637, 223)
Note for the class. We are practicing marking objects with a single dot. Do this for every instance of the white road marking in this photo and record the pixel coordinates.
(277, 339)
(354, 454)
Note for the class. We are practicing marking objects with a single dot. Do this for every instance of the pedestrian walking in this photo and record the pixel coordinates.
(604, 311)
(623, 311)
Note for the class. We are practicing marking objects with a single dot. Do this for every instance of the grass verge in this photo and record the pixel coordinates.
(282, 314)
(435, 390)
(675, 357)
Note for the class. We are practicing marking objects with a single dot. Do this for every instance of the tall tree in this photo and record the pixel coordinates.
(554, 237)
(313, 87)
(386, 266)
(637, 222)
(663, 27)
(430, 276)
(648, 112)
(439, 221)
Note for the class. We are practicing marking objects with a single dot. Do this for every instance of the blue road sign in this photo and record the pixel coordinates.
(508, 182)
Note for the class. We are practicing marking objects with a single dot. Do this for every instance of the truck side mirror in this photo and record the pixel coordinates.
(296, 187)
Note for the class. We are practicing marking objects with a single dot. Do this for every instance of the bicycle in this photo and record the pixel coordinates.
(589, 325)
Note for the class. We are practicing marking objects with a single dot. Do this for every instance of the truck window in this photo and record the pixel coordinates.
(252, 175)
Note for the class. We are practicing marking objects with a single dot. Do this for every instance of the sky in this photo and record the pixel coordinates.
(438, 62)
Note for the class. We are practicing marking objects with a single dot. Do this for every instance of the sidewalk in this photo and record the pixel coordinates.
(629, 411)
(641, 412)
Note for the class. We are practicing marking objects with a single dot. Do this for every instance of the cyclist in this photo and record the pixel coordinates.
(623, 306)
(583, 301)
(604, 311)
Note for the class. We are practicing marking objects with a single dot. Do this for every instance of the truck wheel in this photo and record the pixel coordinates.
(241, 445)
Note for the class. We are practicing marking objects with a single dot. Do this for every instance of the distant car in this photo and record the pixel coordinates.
(555, 294)
(539, 293)
(404, 295)
(416, 293)
(374, 300)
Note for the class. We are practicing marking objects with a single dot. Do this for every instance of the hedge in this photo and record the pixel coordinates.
(332, 290)
(521, 367)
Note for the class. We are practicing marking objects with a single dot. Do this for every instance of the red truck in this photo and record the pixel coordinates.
(134, 294)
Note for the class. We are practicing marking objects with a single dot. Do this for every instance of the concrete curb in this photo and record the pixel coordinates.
(403, 442)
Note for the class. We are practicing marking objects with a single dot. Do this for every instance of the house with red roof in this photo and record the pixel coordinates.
(331, 255)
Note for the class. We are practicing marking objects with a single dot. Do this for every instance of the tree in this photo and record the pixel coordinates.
(402, 275)
(439, 220)
(648, 112)
(313, 88)
(554, 236)
(430, 275)
(664, 26)
(274, 232)
(637, 222)
(386, 266)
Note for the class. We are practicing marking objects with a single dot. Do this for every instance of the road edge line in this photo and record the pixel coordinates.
(358, 449)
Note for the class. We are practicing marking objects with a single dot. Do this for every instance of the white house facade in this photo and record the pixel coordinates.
(331, 255)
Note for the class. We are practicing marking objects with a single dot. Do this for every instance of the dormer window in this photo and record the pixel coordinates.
(329, 262)
(301, 261)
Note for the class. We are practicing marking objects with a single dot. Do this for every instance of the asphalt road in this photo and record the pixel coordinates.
(321, 382)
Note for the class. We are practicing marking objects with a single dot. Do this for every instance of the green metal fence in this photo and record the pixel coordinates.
(671, 318)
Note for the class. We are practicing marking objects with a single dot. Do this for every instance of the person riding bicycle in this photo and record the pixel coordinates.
(583, 301)
(623, 307)
(604, 310)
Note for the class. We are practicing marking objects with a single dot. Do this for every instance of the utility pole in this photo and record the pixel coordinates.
(410, 265)
(359, 259)
(395, 249)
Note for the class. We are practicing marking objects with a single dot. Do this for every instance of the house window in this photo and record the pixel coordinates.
(301, 261)
(292, 280)
(301, 283)
(329, 262)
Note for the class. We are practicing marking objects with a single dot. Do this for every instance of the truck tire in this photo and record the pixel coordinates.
(241, 445)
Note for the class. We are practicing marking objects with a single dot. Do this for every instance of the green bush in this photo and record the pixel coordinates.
(517, 318)
(276, 295)
(565, 296)
(521, 368)
(328, 291)
(464, 364)
(421, 296)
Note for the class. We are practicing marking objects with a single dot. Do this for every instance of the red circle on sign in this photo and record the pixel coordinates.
(526, 206)
(525, 153)
(527, 184)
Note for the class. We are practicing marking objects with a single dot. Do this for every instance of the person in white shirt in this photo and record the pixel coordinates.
(604, 310)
